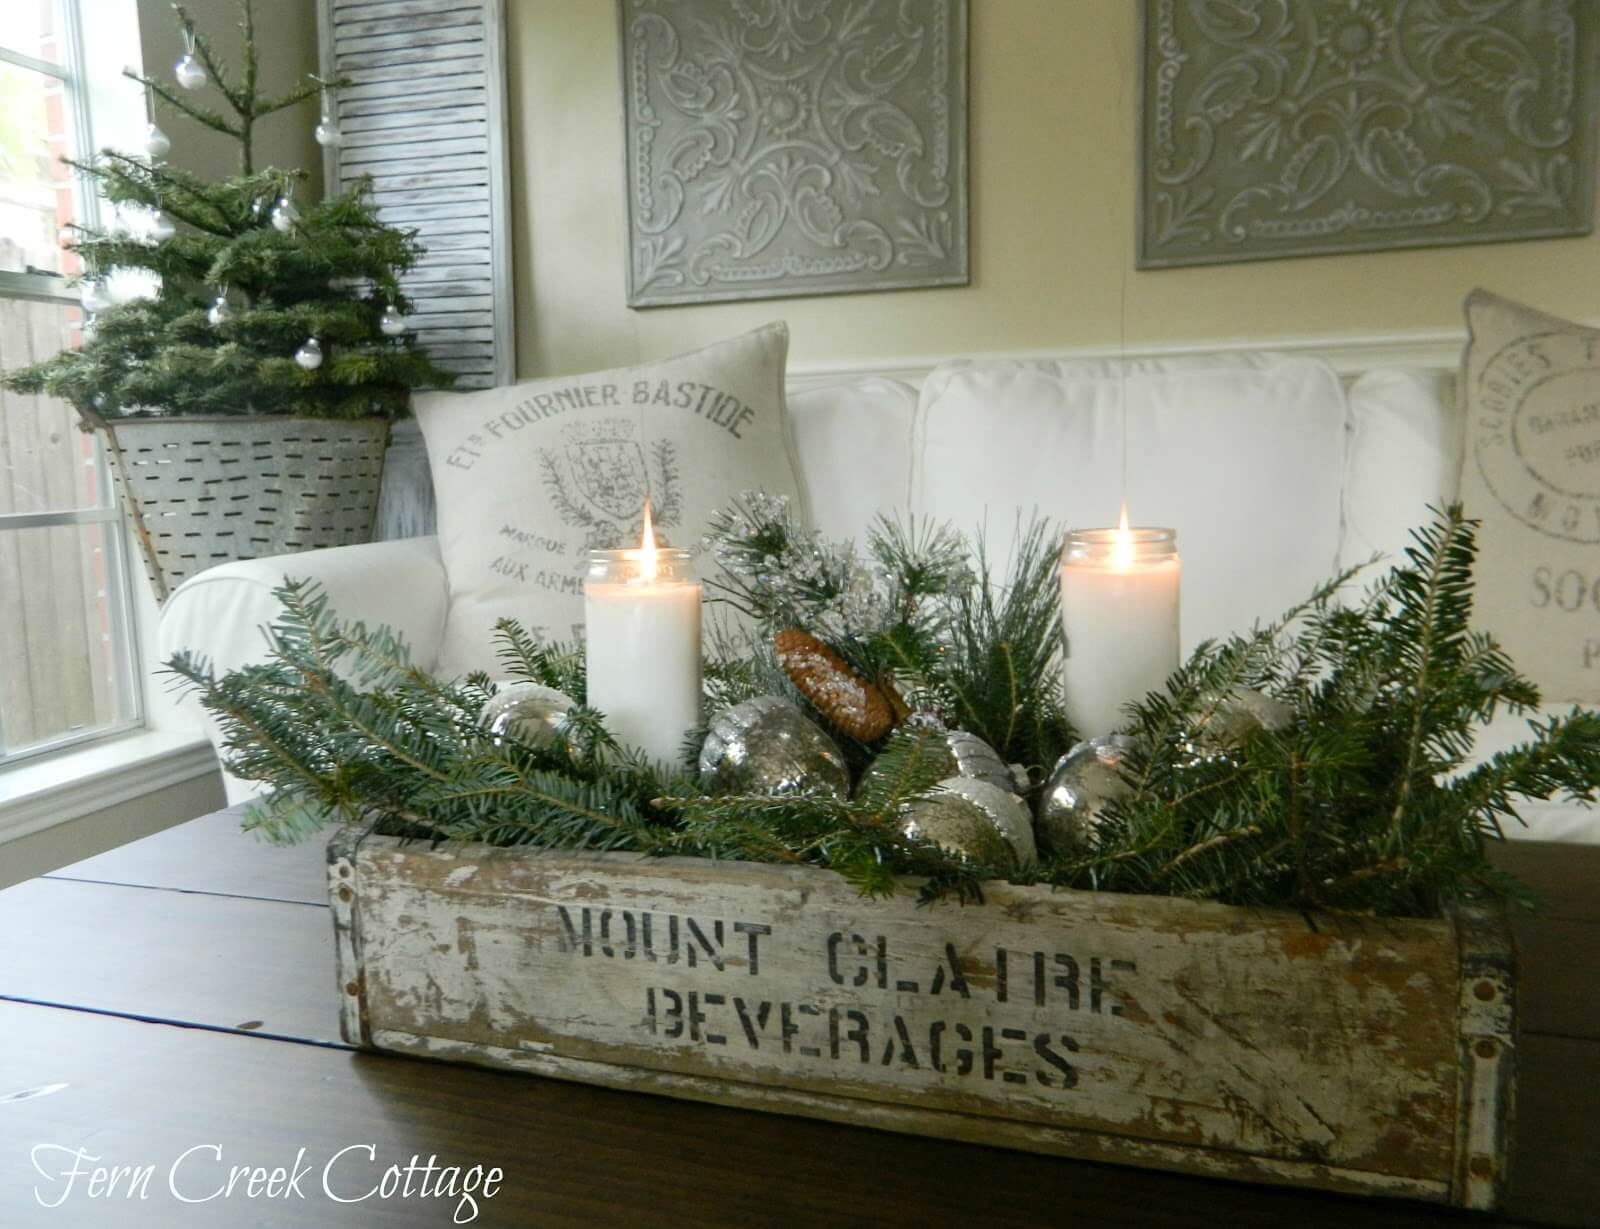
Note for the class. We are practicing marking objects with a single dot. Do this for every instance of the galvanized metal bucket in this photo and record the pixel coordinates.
(204, 491)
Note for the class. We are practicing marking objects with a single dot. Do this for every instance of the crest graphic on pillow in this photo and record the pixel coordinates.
(598, 481)
(531, 477)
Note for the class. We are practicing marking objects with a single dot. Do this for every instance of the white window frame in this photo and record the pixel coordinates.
(41, 288)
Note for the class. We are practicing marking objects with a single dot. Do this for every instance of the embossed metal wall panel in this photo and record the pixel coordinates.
(1299, 127)
(789, 147)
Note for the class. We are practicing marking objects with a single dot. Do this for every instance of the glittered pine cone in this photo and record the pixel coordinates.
(863, 710)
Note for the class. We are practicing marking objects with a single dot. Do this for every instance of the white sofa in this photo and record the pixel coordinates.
(1275, 469)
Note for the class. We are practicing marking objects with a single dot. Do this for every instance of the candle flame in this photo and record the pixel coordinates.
(647, 546)
(1122, 543)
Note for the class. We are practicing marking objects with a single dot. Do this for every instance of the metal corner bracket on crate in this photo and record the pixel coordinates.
(1357, 1055)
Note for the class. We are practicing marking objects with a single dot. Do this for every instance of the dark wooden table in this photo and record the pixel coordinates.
(177, 995)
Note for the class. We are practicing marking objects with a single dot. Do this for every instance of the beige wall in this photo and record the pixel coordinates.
(286, 34)
(1052, 147)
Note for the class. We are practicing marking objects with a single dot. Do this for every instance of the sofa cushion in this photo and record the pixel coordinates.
(1242, 454)
(1404, 456)
(853, 439)
(531, 477)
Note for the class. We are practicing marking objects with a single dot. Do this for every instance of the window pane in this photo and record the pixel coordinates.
(46, 463)
(59, 634)
(36, 198)
(33, 27)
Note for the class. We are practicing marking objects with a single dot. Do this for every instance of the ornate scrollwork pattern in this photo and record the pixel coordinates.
(783, 147)
(1293, 127)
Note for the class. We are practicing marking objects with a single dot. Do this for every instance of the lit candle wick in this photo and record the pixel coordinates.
(647, 546)
(1122, 546)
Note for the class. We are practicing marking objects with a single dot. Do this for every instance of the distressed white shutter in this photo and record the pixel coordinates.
(425, 117)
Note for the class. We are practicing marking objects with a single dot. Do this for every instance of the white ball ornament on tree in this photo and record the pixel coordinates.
(156, 144)
(392, 322)
(188, 71)
(285, 217)
(159, 228)
(327, 131)
(309, 355)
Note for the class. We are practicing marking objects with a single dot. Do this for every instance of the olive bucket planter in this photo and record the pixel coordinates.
(204, 491)
(1353, 1054)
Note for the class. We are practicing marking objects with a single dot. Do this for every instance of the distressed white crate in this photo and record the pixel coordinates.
(1358, 1055)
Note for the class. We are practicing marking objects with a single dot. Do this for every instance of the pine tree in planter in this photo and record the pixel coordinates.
(246, 403)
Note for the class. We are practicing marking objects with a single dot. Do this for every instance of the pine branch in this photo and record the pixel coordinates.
(1435, 601)
(204, 116)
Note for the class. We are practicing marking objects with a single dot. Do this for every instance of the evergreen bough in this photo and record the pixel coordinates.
(330, 277)
(1362, 803)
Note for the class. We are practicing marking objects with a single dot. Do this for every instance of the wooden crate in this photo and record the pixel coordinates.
(1356, 1055)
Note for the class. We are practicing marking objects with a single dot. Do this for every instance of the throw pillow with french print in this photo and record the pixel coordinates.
(1530, 389)
(531, 477)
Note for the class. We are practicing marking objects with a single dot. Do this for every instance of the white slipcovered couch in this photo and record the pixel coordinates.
(1274, 469)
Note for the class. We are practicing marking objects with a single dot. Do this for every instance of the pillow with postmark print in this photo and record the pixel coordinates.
(531, 477)
(1530, 389)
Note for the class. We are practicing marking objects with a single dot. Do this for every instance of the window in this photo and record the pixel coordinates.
(66, 655)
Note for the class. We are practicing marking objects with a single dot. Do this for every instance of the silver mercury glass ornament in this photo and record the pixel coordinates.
(1082, 782)
(528, 712)
(220, 312)
(392, 322)
(1240, 715)
(309, 355)
(965, 755)
(768, 746)
(975, 820)
(978, 761)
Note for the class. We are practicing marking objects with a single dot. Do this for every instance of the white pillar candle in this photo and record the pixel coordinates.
(1119, 610)
(642, 642)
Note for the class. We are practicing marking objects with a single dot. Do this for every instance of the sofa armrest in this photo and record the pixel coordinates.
(221, 614)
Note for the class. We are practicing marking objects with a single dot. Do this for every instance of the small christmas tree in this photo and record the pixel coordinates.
(263, 308)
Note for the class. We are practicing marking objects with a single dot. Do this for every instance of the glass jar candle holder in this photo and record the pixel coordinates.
(1119, 612)
(642, 643)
